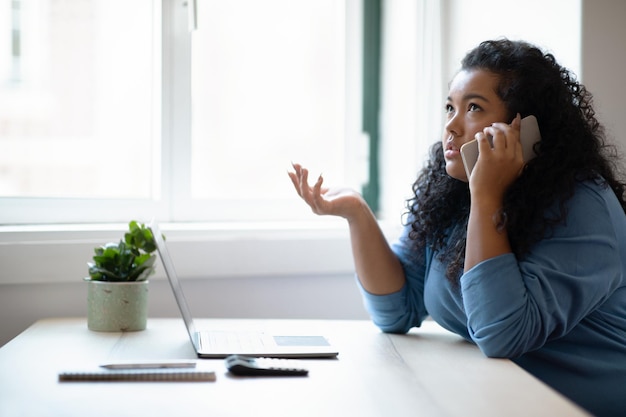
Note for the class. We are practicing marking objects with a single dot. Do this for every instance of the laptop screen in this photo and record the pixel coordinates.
(174, 282)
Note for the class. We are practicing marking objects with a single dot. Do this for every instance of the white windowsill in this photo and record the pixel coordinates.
(59, 253)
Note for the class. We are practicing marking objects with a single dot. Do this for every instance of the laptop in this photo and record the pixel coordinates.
(220, 344)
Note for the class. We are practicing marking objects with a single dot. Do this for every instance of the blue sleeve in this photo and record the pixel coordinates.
(513, 308)
(400, 311)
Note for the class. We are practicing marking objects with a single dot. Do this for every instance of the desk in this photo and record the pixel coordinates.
(428, 372)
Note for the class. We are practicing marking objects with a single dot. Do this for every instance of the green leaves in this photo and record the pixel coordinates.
(129, 260)
(140, 237)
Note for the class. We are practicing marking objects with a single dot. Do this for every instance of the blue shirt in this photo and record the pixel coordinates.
(560, 313)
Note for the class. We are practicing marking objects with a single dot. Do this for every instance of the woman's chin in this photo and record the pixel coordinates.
(456, 171)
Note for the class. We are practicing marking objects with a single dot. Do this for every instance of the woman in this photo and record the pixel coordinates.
(524, 260)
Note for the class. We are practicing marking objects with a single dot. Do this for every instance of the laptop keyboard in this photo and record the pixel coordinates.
(234, 341)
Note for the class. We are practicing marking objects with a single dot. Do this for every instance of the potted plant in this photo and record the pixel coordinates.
(117, 294)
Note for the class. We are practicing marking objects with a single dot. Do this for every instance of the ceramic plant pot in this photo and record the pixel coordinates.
(117, 306)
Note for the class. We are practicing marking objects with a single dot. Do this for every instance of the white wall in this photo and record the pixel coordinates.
(604, 63)
(553, 25)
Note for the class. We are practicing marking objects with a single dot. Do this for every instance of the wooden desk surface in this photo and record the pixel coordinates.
(428, 372)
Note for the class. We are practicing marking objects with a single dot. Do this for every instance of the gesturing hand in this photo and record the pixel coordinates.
(342, 202)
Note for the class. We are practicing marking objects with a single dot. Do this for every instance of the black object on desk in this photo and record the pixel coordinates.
(251, 366)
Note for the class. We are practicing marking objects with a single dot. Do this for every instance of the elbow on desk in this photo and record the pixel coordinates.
(396, 327)
(397, 324)
(493, 347)
(496, 353)
(506, 339)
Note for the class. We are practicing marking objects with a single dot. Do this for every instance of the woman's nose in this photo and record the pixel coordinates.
(454, 125)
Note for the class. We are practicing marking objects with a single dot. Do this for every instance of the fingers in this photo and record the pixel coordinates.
(312, 196)
(499, 165)
(517, 122)
(295, 181)
(506, 131)
(503, 135)
(484, 144)
(317, 199)
(299, 179)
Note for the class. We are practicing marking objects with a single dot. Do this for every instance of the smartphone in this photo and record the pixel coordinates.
(529, 135)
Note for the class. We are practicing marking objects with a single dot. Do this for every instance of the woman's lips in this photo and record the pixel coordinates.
(451, 152)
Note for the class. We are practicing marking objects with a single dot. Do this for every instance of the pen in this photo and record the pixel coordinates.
(148, 365)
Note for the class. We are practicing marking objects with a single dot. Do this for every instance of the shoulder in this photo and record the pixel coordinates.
(595, 206)
(594, 195)
(598, 187)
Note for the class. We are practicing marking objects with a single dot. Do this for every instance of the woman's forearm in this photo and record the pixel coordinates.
(486, 233)
(377, 267)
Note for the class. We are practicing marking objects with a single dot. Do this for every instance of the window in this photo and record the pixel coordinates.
(107, 116)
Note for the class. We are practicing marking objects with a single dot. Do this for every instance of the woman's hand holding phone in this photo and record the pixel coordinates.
(529, 135)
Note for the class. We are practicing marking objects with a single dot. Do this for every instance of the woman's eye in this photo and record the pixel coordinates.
(474, 107)
(449, 109)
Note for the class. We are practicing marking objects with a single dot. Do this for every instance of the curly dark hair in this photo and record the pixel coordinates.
(573, 149)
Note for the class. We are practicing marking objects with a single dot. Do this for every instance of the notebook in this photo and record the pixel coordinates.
(156, 375)
(220, 344)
